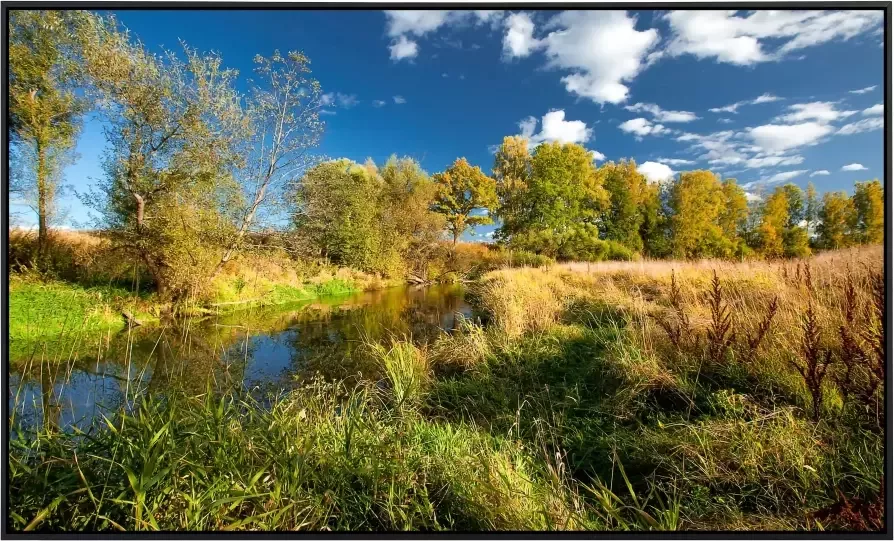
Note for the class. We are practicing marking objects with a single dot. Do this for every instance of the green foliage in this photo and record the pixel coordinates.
(359, 216)
(796, 205)
(564, 200)
(45, 107)
(698, 201)
(173, 129)
(628, 191)
(512, 172)
(463, 189)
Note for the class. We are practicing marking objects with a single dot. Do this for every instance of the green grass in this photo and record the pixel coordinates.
(324, 457)
(283, 294)
(47, 314)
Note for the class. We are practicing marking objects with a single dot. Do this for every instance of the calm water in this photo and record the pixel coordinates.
(256, 350)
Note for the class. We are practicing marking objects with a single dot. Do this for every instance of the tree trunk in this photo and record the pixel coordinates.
(455, 238)
(42, 201)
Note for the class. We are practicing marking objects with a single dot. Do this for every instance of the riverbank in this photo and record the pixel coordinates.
(658, 398)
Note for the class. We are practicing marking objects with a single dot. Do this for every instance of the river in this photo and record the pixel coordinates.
(261, 350)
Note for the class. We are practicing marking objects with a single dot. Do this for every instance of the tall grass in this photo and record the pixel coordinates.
(664, 396)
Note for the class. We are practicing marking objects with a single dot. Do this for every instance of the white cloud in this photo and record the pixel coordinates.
(877, 109)
(863, 90)
(402, 48)
(763, 35)
(488, 16)
(554, 127)
(416, 22)
(819, 111)
(854, 167)
(733, 107)
(660, 115)
(725, 120)
(400, 23)
(378, 103)
(655, 172)
(820, 173)
(765, 98)
(597, 156)
(642, 127)
(860, 126)
(519, 40)
(399, 100)
(773, 138)
(327, 112)
(674, 161)
(782, 177)
(758, 162)
(602, 50)
(444, 75)
(719, 146)
(345, 101)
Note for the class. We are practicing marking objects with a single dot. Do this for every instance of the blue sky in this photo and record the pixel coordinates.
(762, 97)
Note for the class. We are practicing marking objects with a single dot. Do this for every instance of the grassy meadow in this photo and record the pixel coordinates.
(650, 395)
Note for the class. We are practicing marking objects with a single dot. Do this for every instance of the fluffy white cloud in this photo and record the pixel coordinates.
(602, 50)
(819, 111)
(820, 173)
(854, 167)
(400, 23)
(345, 101)
(399, 100)
(327, 112)
(877, 109)
(554, 127)
(860, 126)
(655, 172)
(774, 138)
(863, 90)
(660, 115)
(402, 48)
(733, 107)
(597, 156)
(416, 22)
(752, 197)
(378, 103)
(641, 127)
(519, 40)
(761, 36)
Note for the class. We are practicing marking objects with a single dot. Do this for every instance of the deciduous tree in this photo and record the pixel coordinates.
(697, 200)
(45, 105)
(836, 217)
(463, 189)
(869, 212)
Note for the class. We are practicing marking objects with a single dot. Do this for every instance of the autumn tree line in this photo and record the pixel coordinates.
(194, 169)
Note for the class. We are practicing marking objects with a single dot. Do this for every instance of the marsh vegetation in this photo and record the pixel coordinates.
(234, 345)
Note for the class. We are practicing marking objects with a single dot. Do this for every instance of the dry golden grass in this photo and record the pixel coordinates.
(532, 299)
(526, 299)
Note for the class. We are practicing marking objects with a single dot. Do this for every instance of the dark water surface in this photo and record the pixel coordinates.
(257, 350)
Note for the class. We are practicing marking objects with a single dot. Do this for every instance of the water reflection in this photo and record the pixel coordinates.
(257, 350)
